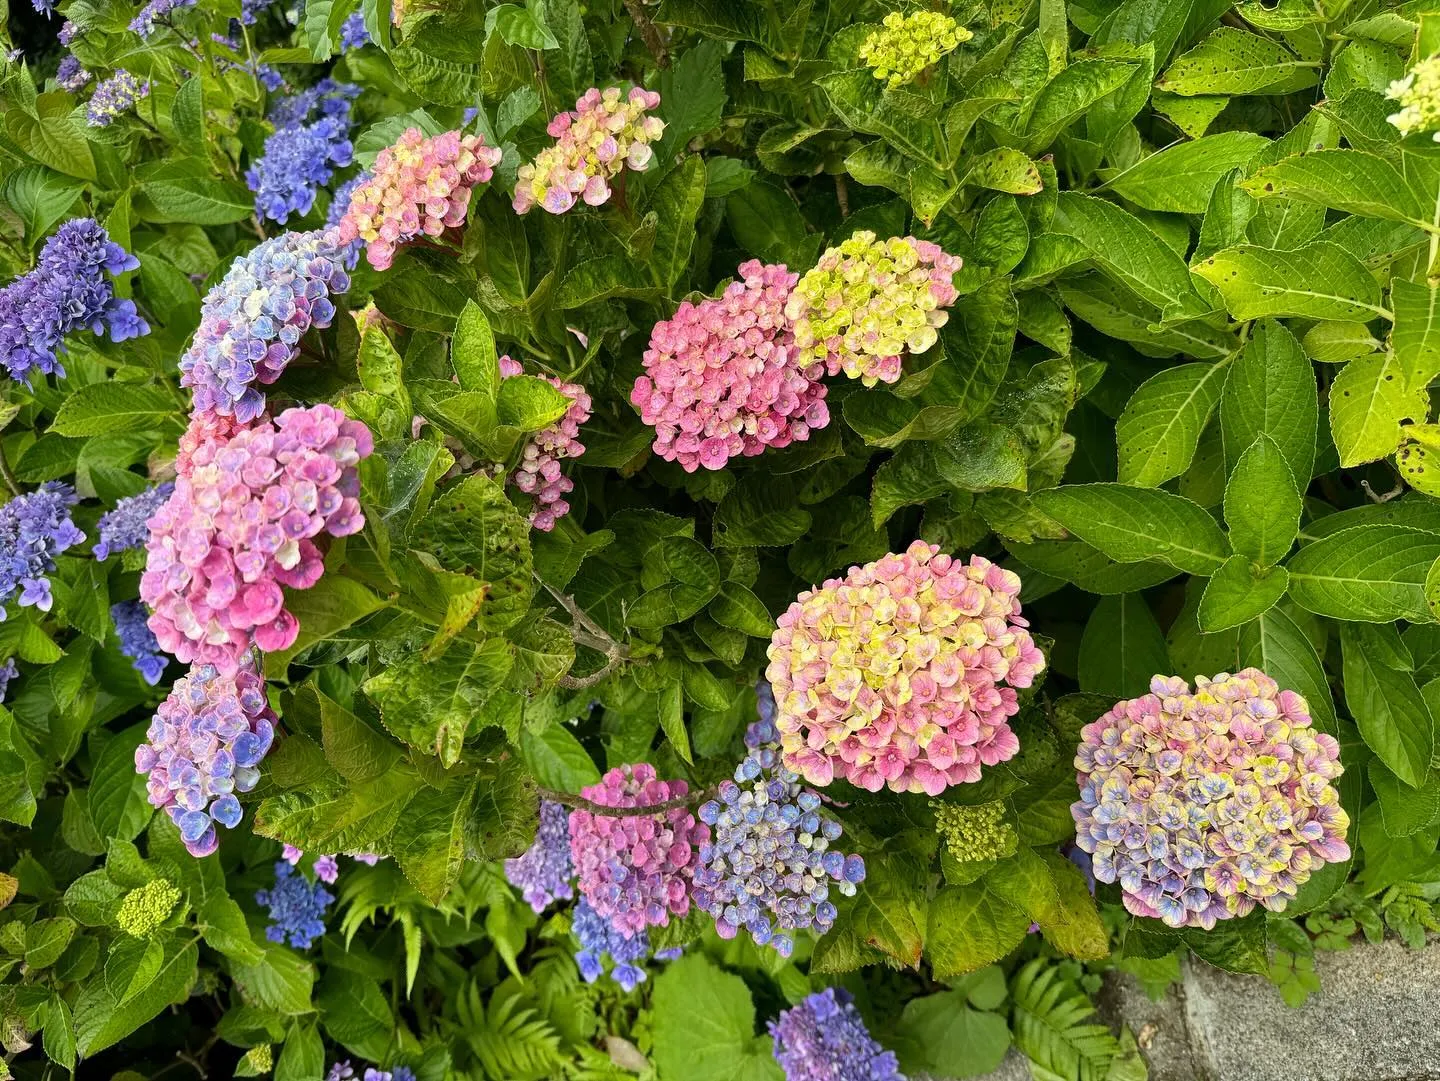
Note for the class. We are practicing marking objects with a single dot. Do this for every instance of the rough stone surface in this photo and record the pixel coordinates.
(1160, 1028)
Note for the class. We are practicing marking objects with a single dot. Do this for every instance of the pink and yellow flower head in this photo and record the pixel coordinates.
(538, 473)
(420, 187)
(723, 377)
(892, 676)
(241, 523)
(605, 133)
(867, 301)
(1203, 805)
(636, 870)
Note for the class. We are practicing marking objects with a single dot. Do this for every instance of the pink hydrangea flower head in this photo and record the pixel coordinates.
(723, 378)
(538, 474)
(205, 743)
(1204, 804)
(205, 426)
(420, 187)
(636, 870)
(606, 133)
(241, 523)
(902, 674)
(867, 301)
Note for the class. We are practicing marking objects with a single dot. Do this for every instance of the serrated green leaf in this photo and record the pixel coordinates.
(1132, 524)
(1160, 427)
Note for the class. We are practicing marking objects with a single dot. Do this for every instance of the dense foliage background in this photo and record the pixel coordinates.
(1183, 393)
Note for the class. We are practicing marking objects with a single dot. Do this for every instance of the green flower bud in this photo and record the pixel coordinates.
(144, 909)
(975, 833)
(908, 44)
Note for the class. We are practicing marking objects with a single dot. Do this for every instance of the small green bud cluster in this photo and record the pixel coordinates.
(908, 44)
(145, 908)
(975, 833)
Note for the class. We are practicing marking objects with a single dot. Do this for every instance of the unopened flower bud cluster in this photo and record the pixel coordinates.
(906, 45)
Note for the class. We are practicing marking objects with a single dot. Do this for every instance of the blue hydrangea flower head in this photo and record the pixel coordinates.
(601, 942)
(296, 162)
(297, 911)
(544, 873)
(825, 1039)
(156, 12)
(70, 75)
(34, 529)
(252, 321)
(8, 671)
(124, 527)
(328, 97)
(137, 640)
(117, 94)
(353, 34)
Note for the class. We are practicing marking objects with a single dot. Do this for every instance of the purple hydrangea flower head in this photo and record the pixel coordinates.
(327, 869)
(296, 162)
(124, 527)
(329, 97)
(1204, 804)
(343, 1071)
(353, 34)
(205, 744)
(137, 640)
(8, 671)
(66, 291)
(601, 943)
(544, 873)
(825, 1039)
(68, 33)
(636, 870)
(252, 321)
(297, 911)
(768, 866)
(34, 529)
(156, 12)
(70, 75)
(117, 94)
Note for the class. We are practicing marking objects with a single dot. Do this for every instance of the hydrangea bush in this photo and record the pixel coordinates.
(693, 540)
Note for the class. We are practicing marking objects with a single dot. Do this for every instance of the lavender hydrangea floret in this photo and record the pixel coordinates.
(601, 942)
(117, 94)
(544, 873)
(155, 13)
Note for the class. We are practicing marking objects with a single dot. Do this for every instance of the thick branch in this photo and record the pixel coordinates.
(648, 33)
(587, 632)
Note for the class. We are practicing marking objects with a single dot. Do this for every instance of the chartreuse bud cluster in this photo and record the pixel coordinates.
(906, 45)
(204, 744)
(593, 144)
(1419, 96)
(146, 907)
(769, 865)
(600, 943)
(241, 523)
(867, 301)
(975, 833)
(543, 873)
(903, 673)
(636, 870)
(538, 473)
(419, 187)
(723, 378)
(1204, 804)
(825, 1039)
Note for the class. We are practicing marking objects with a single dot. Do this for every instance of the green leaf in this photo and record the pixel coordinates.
(100, 1020)
(557, 759)
(600, 279)
(114, 408)
(677, 200)
(680, 577)
(1369, 573)
(671, 706)
(41, 197)
(1393, 716)
(736, 607)
(329, 607)
(197, 200)
(1276, 645)
(473, 527)
(703, 1025)
(356, 751)
(429, 838)
(1238, 592)
(1131, 524)
(1004, 169)
(1127, 251)
(45, 940)
(187, 112)
(529, 403)
(472, 352)
(520, 27)
(1160, 428)
(1370, 402)
(1354, 181)
(1232, 61)
(59, 1033)
(767, 223)
(279, 981)
(1181, 178)
(940, 1034)
(1270, 390)
(971, 927)
(303, 1056)
(1262, 504)
(1122, 648)
(1416, 337)
(1075, 89)
(118, 805)
(1319, 281)
(222, 925)
(759, 515)
(54, 137)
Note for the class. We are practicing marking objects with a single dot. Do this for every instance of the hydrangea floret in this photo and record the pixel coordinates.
(34, 529)
(769, 865)
(8, 671)
(543, 873)
(636, 870)
(67, 34)
(155, 13)
(204, 744)
(1204, 804)
(977, 832)
(71, 75)
(353, 34)
(867, 301)
(146, 907)
(1419, 96)
(605, 133)
(903, 673)
(296, 906)
(419, 187)
(124, 527)
(538, 473)
(723, 378)
(343, 1071)
(905, 45)
(242, 523)
(116, 95)
(825, 1039)
(67, 290)
(252, 321)
(601, 943)
(137, 640)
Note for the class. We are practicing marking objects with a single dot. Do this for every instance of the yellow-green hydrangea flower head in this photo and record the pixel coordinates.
(975, 833)
(260, 1060)
(146, 907)
(892, 676)
(867, 301)
(906, 45)
(1419, 97)
(1204, 804)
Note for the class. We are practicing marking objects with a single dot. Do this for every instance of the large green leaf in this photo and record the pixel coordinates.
(1234, 61)
(1181, 178)
(1370, 573)
(472, 527)
(1270, 390)
(1370, 402)
(1319, 281)
(1393, 716)
(1160, 427)
(1262, 503)
(1131, 524)
(704, 1025)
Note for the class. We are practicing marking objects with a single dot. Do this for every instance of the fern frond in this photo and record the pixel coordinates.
(1052, 1022)
(515, 1043)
